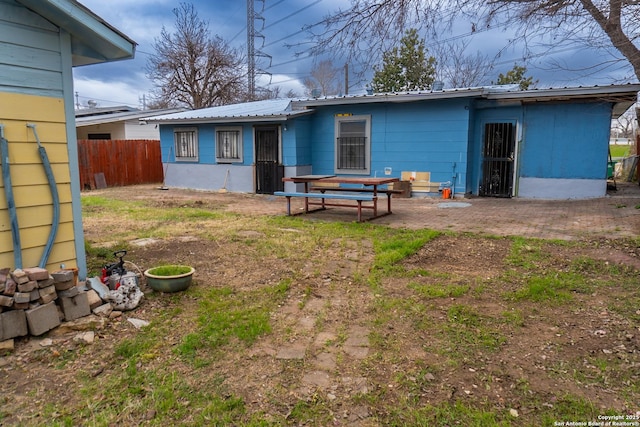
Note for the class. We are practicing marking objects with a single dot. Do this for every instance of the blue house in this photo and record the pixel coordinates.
(488, 141)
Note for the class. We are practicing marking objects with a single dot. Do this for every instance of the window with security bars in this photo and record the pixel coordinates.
(186, 142)
(229, 145)
(352, 144)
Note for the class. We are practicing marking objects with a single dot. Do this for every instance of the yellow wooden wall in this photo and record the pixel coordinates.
(30, 187)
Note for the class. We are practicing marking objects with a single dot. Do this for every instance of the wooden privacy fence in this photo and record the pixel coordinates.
(114, 163)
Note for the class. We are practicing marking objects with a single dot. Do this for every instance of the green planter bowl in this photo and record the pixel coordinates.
(169, 278)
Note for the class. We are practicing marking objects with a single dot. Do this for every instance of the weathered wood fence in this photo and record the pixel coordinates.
(114, 163)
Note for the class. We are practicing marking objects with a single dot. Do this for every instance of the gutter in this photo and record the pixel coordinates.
(228, 119)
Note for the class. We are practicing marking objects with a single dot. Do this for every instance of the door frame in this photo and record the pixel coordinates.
(517, 134)
(255, 130)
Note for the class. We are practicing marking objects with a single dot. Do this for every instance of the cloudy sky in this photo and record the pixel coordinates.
(125, 82)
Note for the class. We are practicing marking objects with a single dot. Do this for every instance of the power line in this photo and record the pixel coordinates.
(291, 61)
(285, 37)
(274, 5)
(292, 14)
(238, 34)
(277, 22)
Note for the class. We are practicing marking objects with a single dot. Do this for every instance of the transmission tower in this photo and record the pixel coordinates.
(253, 53)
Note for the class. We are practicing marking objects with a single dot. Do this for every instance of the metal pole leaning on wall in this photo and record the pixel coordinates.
(11, 203)
(54, 196)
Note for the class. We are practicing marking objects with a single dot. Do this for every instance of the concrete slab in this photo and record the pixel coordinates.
(75, 307)
(42, 319)
(319, 379)
(295, 351)
(13, 324)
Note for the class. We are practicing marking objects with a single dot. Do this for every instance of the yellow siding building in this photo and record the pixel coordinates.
(40, 42)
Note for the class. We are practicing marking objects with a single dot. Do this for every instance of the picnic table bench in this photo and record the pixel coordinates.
(324, 188)
(359, 198)
(327, 188)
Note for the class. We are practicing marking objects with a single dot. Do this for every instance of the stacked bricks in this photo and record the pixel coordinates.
(34, 301)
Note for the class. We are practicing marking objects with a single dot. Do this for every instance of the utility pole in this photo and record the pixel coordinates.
(252, 53)
(346, 79)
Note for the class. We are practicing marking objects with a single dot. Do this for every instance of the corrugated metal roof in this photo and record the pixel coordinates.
(120, 116)
(270, 109)
(488, 92)
(622, 96)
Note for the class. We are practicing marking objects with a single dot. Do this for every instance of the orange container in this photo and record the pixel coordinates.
(446, 193)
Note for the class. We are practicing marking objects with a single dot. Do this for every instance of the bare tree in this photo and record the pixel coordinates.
(458, 69)
(363, 29)
(193, 69)
(624, 126)
(292, 94)
(325, 77)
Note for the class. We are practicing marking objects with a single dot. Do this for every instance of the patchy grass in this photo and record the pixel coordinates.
(506, 332)
(224, 314)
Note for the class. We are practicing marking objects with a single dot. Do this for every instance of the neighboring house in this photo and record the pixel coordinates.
(118, 123)
(41, 40)
(488, 141)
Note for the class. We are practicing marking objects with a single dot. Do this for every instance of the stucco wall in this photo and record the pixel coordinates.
(559, 189)
(210, 177)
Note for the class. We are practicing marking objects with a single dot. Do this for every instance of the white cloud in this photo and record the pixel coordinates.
(284, 82)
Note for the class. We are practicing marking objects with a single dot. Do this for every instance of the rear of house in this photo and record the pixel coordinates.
(488, 141)
(549, 144)
(40, 42)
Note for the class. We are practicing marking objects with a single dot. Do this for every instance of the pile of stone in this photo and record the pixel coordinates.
(34, 301)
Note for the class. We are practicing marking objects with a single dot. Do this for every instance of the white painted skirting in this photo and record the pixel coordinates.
(547, 188)
(209, 177)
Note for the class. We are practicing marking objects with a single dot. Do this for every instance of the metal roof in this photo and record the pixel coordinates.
(86, 119)
(267, 110)
(96, 111)
(93, 40)
(622, 96)
(488, 92)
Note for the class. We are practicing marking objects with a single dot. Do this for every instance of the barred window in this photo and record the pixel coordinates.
(229, 145)
(186, 142)
(353, 144)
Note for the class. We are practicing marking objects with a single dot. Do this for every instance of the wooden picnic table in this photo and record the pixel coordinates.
(371, 185)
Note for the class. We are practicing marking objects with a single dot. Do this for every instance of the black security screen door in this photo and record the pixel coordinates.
(352, 144)
(269, 172)
(498, 160)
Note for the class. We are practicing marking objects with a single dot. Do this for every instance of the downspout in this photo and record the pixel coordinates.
(54, 195)
(11, 203)
(454, 175)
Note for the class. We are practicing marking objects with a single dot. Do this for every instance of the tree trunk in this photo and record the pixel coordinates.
(612, 26)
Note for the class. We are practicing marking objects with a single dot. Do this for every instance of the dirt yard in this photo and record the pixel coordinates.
(468, 329)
